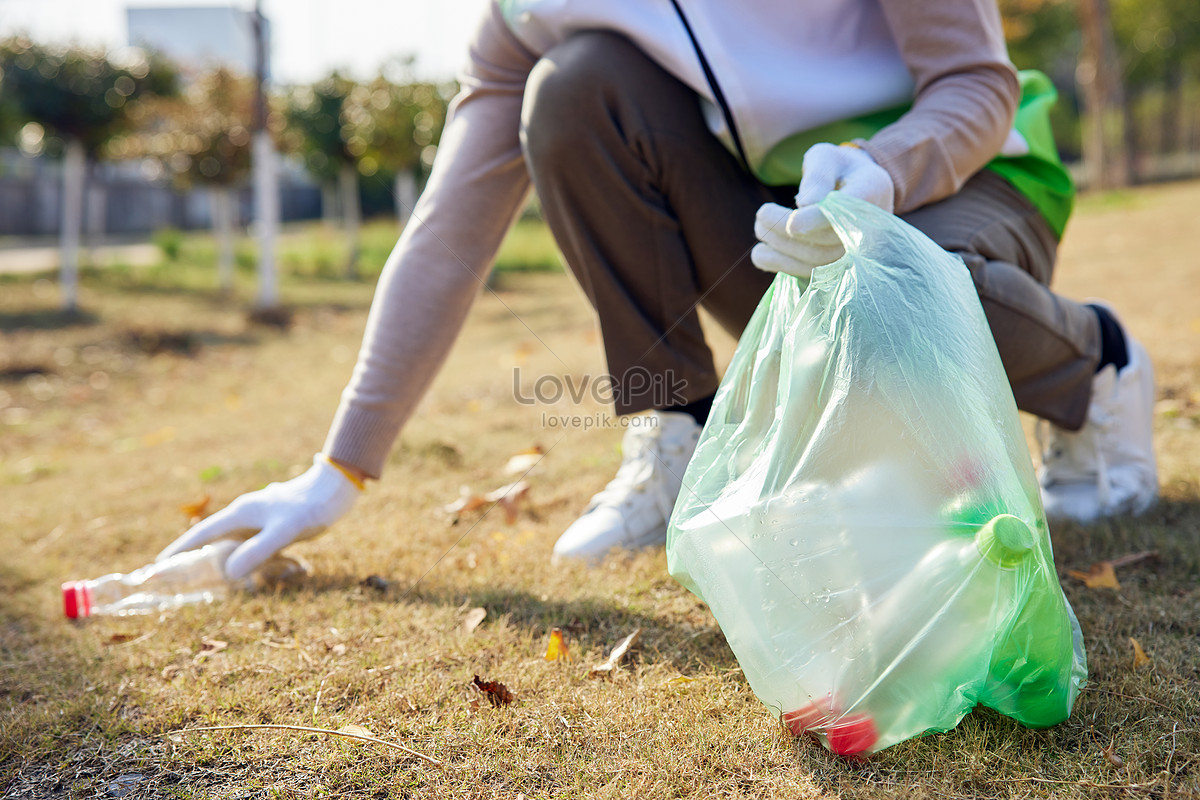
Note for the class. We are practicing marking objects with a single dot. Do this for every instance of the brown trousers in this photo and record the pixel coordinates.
(656, 217)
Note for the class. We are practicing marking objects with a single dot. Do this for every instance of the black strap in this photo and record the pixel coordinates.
(716, 88)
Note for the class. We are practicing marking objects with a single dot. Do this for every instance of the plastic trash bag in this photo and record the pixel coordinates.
(861, 514)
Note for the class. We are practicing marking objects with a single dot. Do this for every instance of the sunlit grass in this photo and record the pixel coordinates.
(110, 431)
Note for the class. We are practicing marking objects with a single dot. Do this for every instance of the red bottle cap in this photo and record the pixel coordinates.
(811, 717)
(852, 735)
(76, 599)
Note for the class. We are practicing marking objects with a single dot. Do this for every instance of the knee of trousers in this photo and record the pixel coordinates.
(566, 89)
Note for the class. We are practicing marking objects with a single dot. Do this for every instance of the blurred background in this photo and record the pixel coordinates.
(125, 124)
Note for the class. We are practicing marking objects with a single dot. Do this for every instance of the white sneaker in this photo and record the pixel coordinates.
(1107, 467)
(633, 509)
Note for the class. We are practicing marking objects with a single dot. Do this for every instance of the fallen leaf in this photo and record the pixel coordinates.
(126, 639)
(120, 638)
(1100, 576)
(524, 461)
(376, 582)
(1139, 655)
(473, 619)
(209, 647)
(467, 501)
(195, 511)
(508, 497)
(170, 671)
(496, 693)
(679, 680)
(356, 730)
(556, 649)
(614, 658)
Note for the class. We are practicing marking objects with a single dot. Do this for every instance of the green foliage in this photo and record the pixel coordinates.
(529, 247)
(386, 126)
(170, 241)
(403, 120)
(199, 137)
(74, 93)
(317, 129)
(10, 114)
(1158, 47)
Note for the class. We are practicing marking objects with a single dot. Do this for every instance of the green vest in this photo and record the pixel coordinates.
(1039, 174)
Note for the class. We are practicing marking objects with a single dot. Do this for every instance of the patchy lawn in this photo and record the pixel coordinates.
(163, 394)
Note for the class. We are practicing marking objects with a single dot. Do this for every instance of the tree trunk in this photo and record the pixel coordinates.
(404, 191)
(97, 210)
(330, 211)
(74, 171)
(1099, 78)
(266, 216)
(1172, 109)
(351, 215)
(222, 222)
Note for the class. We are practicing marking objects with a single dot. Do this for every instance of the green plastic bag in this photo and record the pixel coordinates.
(861, 514)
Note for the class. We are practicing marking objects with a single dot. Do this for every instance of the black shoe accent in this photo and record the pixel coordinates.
(1113, 349)
(698, 409)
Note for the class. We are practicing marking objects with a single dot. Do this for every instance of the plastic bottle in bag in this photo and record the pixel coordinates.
(973, 582)
(1037, 661)
(193, 576)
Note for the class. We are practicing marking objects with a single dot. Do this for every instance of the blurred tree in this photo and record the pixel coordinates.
(10, 115)
(1159, 42)
(1101, 84)
(406, 120)
(76, 100)
(200, 138)
(1139, 58)
(329, 132)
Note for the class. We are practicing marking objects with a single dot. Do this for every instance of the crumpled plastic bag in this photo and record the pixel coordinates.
(861, 514)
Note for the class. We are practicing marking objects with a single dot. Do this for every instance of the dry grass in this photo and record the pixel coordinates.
(106, 433)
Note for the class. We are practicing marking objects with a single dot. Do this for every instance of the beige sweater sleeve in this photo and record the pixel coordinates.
(441, 260)
(966, 93)
(966, 97)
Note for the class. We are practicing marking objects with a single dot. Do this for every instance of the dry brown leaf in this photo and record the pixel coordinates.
(467, 501)
(522, 462)
(1139, 655)
(473, 619)
(119, 638)
(556, 649)
(170, 671)
(508, 497)
(195, 511)
(209, 647)
(614, 658)
(1100, 576)
(356, 730)
(496, 693)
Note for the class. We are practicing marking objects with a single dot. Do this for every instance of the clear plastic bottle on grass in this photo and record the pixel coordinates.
(193, 576)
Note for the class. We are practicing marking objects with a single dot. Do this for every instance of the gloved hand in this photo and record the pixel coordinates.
(277, 515)
(797, 240)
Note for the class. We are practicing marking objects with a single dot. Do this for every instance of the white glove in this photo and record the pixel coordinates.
(277, 515)
(797, 240)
